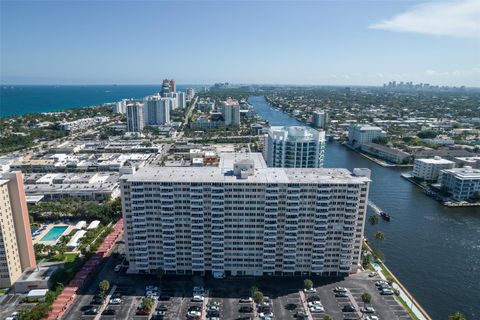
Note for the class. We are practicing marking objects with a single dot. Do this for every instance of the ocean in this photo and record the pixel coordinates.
(19, 100)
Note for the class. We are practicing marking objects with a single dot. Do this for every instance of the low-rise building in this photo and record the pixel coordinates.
(429, 169)
(473, 162)
(461, 183)
(386, 153)
(36, 278)
(86, 186)
(359, 134)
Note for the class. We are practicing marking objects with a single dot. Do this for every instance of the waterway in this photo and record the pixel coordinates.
(433, 250)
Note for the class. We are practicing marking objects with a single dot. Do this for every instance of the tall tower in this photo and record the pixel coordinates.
(173, 85)
(135, 117)
(16, 248)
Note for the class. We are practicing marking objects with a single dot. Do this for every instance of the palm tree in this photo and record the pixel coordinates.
(457, 316)
(373, 219)
(379, 236)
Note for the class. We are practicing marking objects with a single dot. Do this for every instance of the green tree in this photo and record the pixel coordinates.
(427, 134)
(258, 297)
(379, 236)
(366, 297)
(308, 284)
(380, 140)
(147, 304)
(327, 317)
(253, 289)
(457, 316)
(104, 285)
(373, 219)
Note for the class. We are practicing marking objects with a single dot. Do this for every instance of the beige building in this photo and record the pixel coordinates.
(16, 249)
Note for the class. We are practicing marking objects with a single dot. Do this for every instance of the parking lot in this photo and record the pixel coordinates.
(285, 296)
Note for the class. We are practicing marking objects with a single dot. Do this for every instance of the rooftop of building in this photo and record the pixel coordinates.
(386, 149)
(435, 160)
(261, 173)
(296, 133)
(464, 173)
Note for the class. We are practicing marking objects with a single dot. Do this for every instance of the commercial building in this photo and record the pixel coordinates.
(320, 119)
(135, 121)
(386, 153)
(81, 124)
(86, 186)
(156, 110)
(429, 169)
(294, 147)
(231, 112)
(359, 134)
(37, 278)
(16, 248)
(205, 105)
(243, 218)
(190, 94)
(461, 183)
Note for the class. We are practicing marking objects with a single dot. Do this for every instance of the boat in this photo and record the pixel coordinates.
(385, 216)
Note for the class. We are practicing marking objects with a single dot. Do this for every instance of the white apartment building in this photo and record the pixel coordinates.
(359, 134)
(320, 119)
(462, 183)
(230, 112)
(120, 106)
(473, 162)
(294, 147)
(156, 110)
(429, 169)
(243, 218)
(190, 94)
(135, 114)
(16, 249)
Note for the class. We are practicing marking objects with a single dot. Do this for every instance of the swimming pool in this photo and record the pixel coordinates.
(54, 233)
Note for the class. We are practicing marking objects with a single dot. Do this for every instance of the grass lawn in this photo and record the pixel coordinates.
(3, 291)
(70, 257)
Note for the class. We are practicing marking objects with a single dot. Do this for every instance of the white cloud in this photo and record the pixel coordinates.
(459, 19)
(466, 72)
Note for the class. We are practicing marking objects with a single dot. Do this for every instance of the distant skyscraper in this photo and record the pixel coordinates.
(168, 86)
(120, 107)
(135, 114)
(320, 119)
(181, 99)
(173, 85)
(156, 110)
(230, 112)
(16, 249)
(190, 94)
(294, 147)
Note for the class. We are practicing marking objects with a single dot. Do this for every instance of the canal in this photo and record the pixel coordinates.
(433, 250)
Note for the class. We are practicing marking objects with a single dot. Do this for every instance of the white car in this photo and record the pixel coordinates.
(265, 314)
(311, 290)
(367, 310)
(314, 304)
(115, 301)
(386, 292)
(194, 314)
(317, 308)
(340, 289)
(198, 298)
(372, 318)
(117, 268)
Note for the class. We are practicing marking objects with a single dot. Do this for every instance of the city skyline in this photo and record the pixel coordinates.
(314, 43)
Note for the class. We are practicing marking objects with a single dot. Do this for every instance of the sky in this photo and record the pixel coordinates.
(261, 42)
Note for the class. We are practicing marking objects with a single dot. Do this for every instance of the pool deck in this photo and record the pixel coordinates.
(46, 230)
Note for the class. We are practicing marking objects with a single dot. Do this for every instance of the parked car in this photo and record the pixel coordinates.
(97, 300)
(386, 292)
(91, 312)
(245, 309)
(213, 313)
(161, 307)
(372, 318)
(316, 309)
(313, 298)
(265, 314)
(117, 268)
(246, 300)
(311, 290)
(340, 289)
(195, 308)
(108, 312)
(349, 308)
(198, 298)
(314, 303)
(115, 301)
(341, 294)
(372, 274)
(379, 282)
(367, 310)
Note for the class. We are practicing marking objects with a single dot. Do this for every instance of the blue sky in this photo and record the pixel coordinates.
(196, 42)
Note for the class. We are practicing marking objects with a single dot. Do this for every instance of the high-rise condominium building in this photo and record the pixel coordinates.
(294, 147)
(135, 114)
(168, 86)
(243, 218)
(16, 249)
(156, 110)
(190, 94)
(320, 119)
(231, 112)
